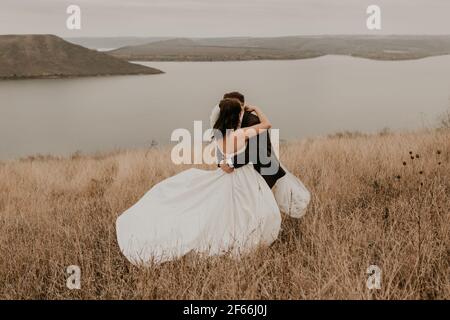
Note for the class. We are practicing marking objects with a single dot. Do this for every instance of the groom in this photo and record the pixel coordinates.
(258, 150)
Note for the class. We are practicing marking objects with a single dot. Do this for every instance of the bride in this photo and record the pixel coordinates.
(208, 212)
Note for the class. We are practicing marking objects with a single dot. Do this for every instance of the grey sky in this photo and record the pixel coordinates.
(223, 18)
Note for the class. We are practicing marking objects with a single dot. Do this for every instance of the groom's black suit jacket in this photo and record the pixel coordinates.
(259, 152)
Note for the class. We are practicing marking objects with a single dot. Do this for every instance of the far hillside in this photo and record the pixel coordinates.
(295, 47)
(48, 56)
(103, 43)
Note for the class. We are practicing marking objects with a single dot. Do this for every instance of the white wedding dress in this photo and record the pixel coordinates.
(208, 212)
(291, 195)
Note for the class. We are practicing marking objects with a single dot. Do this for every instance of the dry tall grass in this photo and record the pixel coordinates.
(367, 208)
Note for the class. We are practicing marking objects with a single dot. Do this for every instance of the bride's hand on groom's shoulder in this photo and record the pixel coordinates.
(250, 108)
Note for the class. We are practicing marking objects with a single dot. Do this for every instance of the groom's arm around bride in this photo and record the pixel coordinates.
(259, 152)
(259, 148)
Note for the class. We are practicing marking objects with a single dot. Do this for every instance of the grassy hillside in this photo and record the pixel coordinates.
(367, 208)
(48, 56)
(295, 47)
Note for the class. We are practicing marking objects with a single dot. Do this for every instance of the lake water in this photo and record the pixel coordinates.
(302, 98)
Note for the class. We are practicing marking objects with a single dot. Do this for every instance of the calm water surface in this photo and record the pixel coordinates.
(302, 98)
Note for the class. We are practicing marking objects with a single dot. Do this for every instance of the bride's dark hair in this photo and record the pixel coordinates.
(230, 110)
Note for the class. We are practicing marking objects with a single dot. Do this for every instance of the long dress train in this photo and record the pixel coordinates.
(208, 212)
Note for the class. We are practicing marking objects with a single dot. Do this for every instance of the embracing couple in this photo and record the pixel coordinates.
(230, 210)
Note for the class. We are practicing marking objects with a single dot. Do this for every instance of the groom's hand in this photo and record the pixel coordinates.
(252, 109)
(249, 108)
(225, 167)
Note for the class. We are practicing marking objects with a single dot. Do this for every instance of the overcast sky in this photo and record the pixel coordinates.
(197, 18)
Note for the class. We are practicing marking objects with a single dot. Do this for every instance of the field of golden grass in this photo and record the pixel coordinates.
(376, 200)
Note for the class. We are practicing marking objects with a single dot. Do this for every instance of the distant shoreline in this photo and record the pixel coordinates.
(63, 77)
(285, 59)
(383, 48)
(55, 58)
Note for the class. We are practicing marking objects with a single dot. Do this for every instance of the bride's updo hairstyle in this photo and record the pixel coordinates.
(230, 110)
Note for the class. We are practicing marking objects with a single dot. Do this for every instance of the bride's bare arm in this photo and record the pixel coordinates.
(259, 128)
